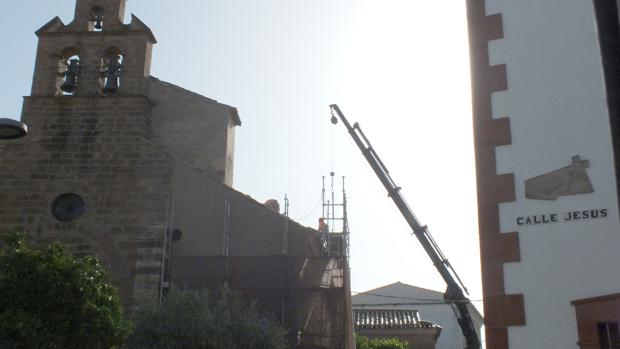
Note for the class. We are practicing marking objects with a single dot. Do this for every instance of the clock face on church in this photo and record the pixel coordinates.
(68, 207)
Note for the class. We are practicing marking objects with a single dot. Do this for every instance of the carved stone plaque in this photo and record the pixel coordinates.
(569, 180)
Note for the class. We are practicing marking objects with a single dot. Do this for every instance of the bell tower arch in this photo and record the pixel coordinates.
(106, 14)
(96, 30)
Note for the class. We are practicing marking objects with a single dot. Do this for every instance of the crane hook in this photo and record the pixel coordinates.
(334, 118)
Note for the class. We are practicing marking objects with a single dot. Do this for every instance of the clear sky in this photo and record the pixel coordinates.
(399, 67)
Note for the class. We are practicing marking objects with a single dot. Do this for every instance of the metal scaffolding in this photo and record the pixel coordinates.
(336, 239)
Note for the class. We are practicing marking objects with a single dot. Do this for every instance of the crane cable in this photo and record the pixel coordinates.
(332, 145)
(331, 155)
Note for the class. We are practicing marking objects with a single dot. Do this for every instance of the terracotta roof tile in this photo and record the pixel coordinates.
(388, 318)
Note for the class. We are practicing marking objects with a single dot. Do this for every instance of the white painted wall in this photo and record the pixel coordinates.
(451, 336)
(557, 109)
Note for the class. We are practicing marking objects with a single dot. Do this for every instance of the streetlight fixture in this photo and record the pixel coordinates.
(12, 129)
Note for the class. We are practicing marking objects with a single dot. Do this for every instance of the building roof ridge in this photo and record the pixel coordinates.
(398, 283)
(234, 114)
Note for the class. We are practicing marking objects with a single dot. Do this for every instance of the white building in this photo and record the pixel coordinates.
(429, 304)
(546, 98)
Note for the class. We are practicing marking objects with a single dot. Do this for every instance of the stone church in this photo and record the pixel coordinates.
(138, 172)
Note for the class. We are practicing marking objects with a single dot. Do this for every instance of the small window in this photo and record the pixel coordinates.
(110, 70)
(608, 335)
(96, 19)
(68, 207)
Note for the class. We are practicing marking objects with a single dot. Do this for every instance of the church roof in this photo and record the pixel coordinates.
(233, 112)
(401, 292)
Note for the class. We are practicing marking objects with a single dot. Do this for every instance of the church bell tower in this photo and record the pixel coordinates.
(106, 143)
(87, 174)
(95, 54)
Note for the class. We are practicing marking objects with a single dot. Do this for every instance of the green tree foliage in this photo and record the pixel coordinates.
(198, 319)
(50, 299)
(362, 342)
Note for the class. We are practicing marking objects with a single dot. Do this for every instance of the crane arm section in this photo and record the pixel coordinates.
(454, 293)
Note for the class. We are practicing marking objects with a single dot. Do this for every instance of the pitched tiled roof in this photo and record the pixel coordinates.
(388, 318)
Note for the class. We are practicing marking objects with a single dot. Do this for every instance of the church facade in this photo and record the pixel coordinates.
(139, 172)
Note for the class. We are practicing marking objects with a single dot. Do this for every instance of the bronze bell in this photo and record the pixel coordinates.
(99, 22)
(111, 85)
(112, 74)
(71, 77)
(68, 86)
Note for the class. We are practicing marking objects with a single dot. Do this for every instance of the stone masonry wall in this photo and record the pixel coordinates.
(253, 230)
(91, 47)
(195, 128)
(94, 147)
